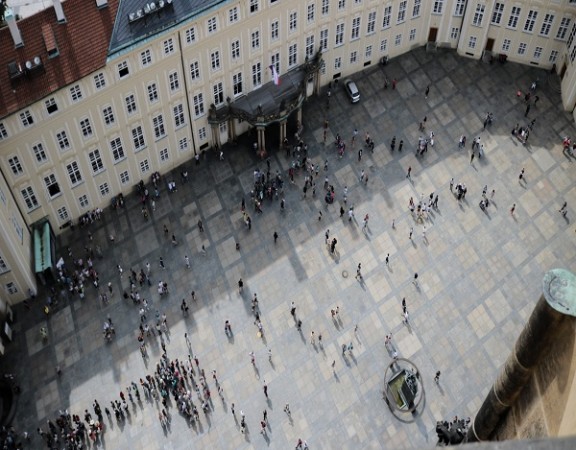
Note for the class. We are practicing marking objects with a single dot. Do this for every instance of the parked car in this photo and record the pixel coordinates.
(352, 91)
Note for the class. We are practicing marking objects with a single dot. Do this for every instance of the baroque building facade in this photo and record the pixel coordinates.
(96, 96)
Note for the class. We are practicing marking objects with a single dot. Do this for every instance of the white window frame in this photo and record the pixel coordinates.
(146, 57)
(479, 15)
(530, 21)
(51, 106)
(30, 198)
(108, 115)
(152, 90)
(138, 139)
(123, 69)
(83, 201)
(355, 29)
(401, 16)
(117, 149)
(74, 173)
(194, 70)
(168, 46)
(198, 101)
(547, 23)
(95, 160)
(179, 116)
(62, 140)
(76, 93)
(387, 17)
(158, 126)
(174, 81)
(86, 128)
(26, 118)
(39, 153)
(130, 102)
(497, 13)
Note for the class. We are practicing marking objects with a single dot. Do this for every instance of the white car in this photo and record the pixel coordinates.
(352, 91)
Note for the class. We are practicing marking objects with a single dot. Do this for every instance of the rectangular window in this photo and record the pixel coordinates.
(233, 15)
(416, 8)
(355, 28)
(530, 21)
(386, 19)
(368, 52)
(310, 46)
(15, 165)
(547, 24)
(401, 12)
(275, 61)
(292, 55)
(168, 46)
(117, 149)
(194, 70)
(108, 115)
(144, 166)
(3, 132)
(63, 214)
(293, 21)
(497, 14)
(325, 7)
(152, 92)
(179, 118)
(353, 57)
(52, 185)
(472, 42)
(563, 28)
(83, 201)
(254, 6)
(237, 83)
(324, 40)
(218, 90)
(438, 7)
(96, 161)
(571, 36)
(371, 25)
(212, 25)
(26, 118)
(123, 70)
(274, 30)
(198, 105)
(412, 35)
(124, 177)
(398, 40)
(202, 133)
(505, 45)
(256, 75)
(521, 48)
(383, 45)
(234, 52)
(158, 125)
(255, 39)
(164, 155)
(191, 35)
(74, 173)
(3, 266)
(215, 59)
(146, 57)
(478, 15)
(459, 8)
(310, 12)
(130, 104)
(29, 198)
(76, 93)
(183, 144)
(454, 33)
(553, 56)
(62, 139)
(339, 34)
(341, 5)
(337, 63)
(174, 81)
(39, 153)
(104, 189)
(138, 138)
(86, 128)
(514, 16)
(51, 106)
(537, 52)
(99, 81)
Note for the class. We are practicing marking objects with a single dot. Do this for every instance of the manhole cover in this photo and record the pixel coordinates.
(344, 274)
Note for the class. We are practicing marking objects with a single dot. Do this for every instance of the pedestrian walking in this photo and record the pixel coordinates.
(415, 281)
(327, 236)
(120, 270)
(287, 409)
(521, 176)
(427, 91)
(200, 226)
(451, 184)
(563, 210)
(513, 209)
(472, 156)
(275, 236)
(187, 261)
(527, 110)
(333, 245)
(400, 145)
(437, 377)
(319, 215)
(408, 174)
(360, 154)
(265, 388)
(293, 310)
(240, 286)
(312, 338)
(411, 231)
(358, 272)
(387, 260)
(162, 263)
(393, 143)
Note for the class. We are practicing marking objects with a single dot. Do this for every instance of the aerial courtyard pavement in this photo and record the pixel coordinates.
(479, 273)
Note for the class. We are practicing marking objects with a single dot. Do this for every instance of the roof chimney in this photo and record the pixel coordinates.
(13, 26)
(101, 3)
(59, 11)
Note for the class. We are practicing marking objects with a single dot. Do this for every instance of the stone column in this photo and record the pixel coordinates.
(261, 138)
(215, 135)
(556, 305)
(232, 129)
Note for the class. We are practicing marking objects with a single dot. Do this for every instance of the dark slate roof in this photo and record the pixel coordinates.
(138, 19)
(82, 49)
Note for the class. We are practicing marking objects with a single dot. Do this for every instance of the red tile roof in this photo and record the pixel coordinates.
(82, 44)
